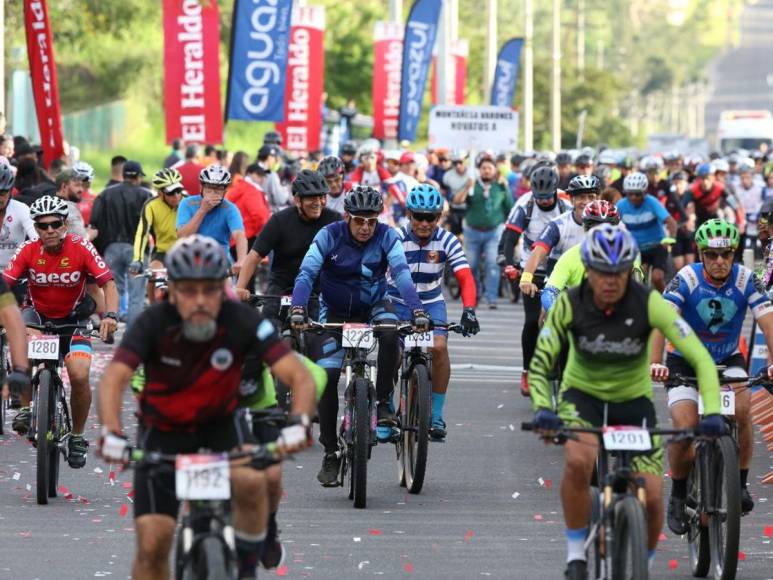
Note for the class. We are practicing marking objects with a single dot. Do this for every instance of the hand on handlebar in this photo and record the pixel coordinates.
(420, 320)
(658, 372)
(296, 435)
(243, 294)
(712, 426)
(546, 421)
(299, 318)
(113, 447)
(107, 329)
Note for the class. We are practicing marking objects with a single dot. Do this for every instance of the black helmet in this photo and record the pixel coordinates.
(331, 166)
(544, 181)
(564, 158)
(196, 257)
(363, 199)
(349, 149)
(7, 177)
(309, 183)
(583, 159)
(272, 138)
(584, 184)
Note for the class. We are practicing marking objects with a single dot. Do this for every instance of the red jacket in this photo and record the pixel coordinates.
(252, 204)
(190, 171)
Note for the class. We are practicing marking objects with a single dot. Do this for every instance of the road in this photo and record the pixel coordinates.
(489, 508)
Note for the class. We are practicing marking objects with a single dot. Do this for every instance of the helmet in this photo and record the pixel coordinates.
(7, 177)
(607, 157)
(348, 149)
(609, 248)
(671, 156)
(602, 172)
(635, 183)
(196, 257)
(484, 156)
(650, 163)
(83, 171)
(49, 205)
(583, 160)
(716, 233)
(215, 175)
(564, 158)
(363, 199)
(527, 166)
(367, 149)
(272, 138)
(459, 155)
(310, 183)
(627, 162)
(721, 165)
(704, 170)
(331, 166)
(544, 181)
(584, 184)
(424, 199)
(167, 178)
(600, 211)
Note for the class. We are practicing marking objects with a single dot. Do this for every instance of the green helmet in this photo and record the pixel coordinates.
(717, 233)
(167, 179)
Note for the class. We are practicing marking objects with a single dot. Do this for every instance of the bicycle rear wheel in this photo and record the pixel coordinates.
(43, 434)
(629, 551)
(210, 561)
(415, 433)
(360, 442)
(697, 534)
(725, 523)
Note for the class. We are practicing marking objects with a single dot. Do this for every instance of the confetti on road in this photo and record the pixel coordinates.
(98, 470)
(375, 532)
(25, 534)
(281, 571)
(357, 539)
(768, 531)
(468, 536)
(516, 495)
(500, 406)
(124, 510)
(408, 567)
(673, 564)
(662, 537)
(362, 564)
(16, 476)
(741, 556)
(538, 517)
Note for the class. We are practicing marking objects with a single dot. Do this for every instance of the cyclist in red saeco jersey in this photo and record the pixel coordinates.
(56, 267)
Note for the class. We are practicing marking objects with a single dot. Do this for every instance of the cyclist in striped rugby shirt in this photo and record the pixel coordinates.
(428, 248)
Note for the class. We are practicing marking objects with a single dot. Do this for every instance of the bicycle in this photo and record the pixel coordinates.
(713, 504)
(617, 540)
(8, 403)
(51, 426)
(205, 546)
(415, 407)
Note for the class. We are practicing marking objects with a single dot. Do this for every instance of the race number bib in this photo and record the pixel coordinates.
(43, 347)
(202, 477)
(623, 438)
(726, 402)
(286, 301)
(357, 336)
(422, 339)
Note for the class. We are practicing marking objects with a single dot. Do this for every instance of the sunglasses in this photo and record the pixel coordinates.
(442, 159)
(425, 217)
(43, 226)
(360, 221)
(458, 162)
(173, 192)
(713, 254)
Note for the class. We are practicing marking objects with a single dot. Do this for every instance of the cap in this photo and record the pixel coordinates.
(406, 157)
(258, 168)
(132, 169)
(267, 150)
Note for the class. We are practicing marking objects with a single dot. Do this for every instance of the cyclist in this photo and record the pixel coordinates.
(606, 322)
(332, 169)
(645, 216)
(18, 379)
(712, 296)
(15, 223)
(57, 266)
(428, 249)
(352, 257)
(86, 173)
(529, 217)
(196, 340)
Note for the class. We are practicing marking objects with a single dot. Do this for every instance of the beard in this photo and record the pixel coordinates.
(199, 332)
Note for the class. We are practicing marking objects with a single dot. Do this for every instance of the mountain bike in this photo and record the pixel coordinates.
(713, 504)
(51, 426)
(205, 546)
(415, 407)
(5, 404)
(616, 545)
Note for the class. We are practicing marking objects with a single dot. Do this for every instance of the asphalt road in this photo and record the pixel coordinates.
(489, 508)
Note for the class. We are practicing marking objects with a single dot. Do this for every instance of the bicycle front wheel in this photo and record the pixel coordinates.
(360, 442)
(43, 435)
(725, 523)
(629, 551)
(697, 533)
(210, 561)
(416, 433)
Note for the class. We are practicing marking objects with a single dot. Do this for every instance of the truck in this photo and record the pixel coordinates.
(750, 130)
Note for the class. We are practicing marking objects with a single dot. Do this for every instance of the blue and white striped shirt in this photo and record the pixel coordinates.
(426, 262)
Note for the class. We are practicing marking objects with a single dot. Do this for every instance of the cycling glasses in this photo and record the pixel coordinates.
(425, 217)
(49, 225)
(360, 221)
(714, 254)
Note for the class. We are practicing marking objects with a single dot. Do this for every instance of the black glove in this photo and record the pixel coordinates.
(298, 316)
(420, 320)
(712, 426)
(18, 381)
(469, 322)
(546, 420)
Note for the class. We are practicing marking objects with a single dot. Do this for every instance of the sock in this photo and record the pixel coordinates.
(575, 544)
(679, 488)
(438, 400)
(650, 559)
(248, 550)
(271, 529)
(744, 478)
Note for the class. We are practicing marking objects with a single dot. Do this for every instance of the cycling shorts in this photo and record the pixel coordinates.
(154, 490)
(684, 245)
(678, 392)
(266, 430)
(436, 311)
(579, 409)
(77, 345)
(656, 257)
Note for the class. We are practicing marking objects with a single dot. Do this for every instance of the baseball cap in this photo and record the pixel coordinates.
(267, 150)
(132, 169)
(407, 157)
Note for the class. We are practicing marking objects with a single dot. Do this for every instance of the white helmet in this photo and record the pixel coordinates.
(721, 165)
(635, 182)
(49, 205)
(83, 171)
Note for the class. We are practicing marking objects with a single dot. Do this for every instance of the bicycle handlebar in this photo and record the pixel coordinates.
(268, 453)
(760, 379)
(565, 432)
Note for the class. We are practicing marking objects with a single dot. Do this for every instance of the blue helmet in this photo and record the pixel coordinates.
(609, 248)
(424, 199)
(704, 170)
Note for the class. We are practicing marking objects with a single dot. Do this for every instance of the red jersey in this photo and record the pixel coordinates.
(85, 205)
(57, 281)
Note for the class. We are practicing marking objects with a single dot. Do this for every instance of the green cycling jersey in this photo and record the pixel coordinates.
(569, 270)
(265, 397)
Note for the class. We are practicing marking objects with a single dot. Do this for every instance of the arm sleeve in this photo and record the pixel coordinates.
(659, 209)
(398, 267)
(185, 212)
(264, 339)
(552, 338)
(548, 297)
(28, 224)
(507, 245)
(516, 221)
(17, 266)
(757, 298)
(676, 292)
(666, 320)
(311, 266)
(549, 237)
(141, 235)
(467, 287)
(235, 221)
(95, 265)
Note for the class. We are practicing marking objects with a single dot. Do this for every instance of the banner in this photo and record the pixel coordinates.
(192, 72)
(40, 52)
(457, 82)
(387, 69)
(260, 33)
(420, 33)
(506, 74)
(302, 126)
(476, 128)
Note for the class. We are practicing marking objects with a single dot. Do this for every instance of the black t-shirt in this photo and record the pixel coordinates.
(189, 384)
(289, 236)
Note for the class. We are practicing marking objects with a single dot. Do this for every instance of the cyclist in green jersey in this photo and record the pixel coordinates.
(607, 321)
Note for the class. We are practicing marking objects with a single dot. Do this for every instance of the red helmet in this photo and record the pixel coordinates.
(598, 212)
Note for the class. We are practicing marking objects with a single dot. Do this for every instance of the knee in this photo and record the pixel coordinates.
(79, 376)
(250, 486)
(578, 467)
(153, 547)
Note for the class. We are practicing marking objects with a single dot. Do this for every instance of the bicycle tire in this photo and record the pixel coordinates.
(724, 535)
(416, 437)
(629, 549)
(56, 429)
(3, 375)
(360, 442)
(210, 561)
(402, 413)
(3, 405)
(595, 560)
(697, 535)
(42, 430)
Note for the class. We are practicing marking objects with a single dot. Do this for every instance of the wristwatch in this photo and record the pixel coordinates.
(113, 315)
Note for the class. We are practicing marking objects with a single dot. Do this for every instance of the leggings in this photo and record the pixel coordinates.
(532, 308)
